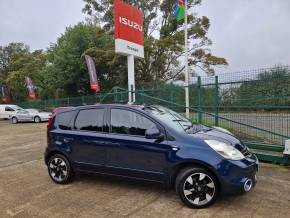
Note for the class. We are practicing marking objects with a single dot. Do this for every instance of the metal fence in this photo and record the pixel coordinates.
(254, 104)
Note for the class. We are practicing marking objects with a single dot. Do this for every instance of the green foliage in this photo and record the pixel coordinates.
(22, 65)
(270, 88)
(6, 55)
(67, 71)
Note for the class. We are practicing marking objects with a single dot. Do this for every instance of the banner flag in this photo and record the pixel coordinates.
(4, 97)
(92, 73)
(30, 87)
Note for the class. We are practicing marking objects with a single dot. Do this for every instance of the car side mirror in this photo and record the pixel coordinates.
(154, 133)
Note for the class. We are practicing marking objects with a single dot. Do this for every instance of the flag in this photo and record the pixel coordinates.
(4, 97)
(94, 83)
(179, 12)
(30, 87)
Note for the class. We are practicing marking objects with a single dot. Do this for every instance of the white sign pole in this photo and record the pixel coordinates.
(186, 62)
(131, 79)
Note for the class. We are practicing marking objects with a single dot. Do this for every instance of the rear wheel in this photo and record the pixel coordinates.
(196, 187)
(14, 120)
(59, 169)
(37, 119)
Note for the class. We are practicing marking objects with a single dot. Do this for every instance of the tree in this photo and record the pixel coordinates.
(7, 53)
(164, 38)
(67, 70)
(271, 87)
(22, 65)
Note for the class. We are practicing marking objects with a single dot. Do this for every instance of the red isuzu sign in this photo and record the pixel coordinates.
(129, 35)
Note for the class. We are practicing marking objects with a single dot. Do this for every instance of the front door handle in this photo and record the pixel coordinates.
(174, 147)
(115, 144)
(67, 140)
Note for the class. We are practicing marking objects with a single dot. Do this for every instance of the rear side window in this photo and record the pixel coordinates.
(65, 120)
(90, 120)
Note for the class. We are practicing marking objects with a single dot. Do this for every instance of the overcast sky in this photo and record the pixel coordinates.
(248, 33)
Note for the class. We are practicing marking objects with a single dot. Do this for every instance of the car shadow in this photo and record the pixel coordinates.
(144, 186)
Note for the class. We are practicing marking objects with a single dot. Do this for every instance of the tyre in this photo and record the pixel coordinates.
(37, 119)
(59, 169)
(14, 120)
(196, 187)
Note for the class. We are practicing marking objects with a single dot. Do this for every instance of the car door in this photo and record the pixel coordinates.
(88, 139)
(23, 115)
(129, 152)
(8, 111)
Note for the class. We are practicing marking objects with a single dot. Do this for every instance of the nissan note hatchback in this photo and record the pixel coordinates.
(150, 143)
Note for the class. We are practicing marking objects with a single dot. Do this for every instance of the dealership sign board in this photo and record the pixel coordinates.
(129, 35)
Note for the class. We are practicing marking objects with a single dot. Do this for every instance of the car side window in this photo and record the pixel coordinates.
(65, 120)
(90, 120)
(9, 109)
(129, 122)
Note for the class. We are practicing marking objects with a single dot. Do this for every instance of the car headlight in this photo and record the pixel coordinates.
(225, 150)
(223, 130)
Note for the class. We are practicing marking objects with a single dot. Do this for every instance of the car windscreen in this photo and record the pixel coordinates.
(15, 107)
(169, 117)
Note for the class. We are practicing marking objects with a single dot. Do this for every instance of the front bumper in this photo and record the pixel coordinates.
(234, 174)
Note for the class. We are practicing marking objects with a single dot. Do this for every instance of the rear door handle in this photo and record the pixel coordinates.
(113, 144)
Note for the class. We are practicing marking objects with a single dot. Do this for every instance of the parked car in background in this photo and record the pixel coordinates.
(151, 143)
(29, 115)
(6, 110)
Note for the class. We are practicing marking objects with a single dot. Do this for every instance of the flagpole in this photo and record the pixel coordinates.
(186, 61)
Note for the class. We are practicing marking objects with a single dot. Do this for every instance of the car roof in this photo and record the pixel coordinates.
(133, 106)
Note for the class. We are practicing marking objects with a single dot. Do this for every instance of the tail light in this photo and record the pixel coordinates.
(50, 119)
(49, 123)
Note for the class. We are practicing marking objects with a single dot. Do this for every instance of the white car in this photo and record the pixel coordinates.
(26, 115)
(6, 110)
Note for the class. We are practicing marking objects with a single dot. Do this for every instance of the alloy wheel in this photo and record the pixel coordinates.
(14, 120)
(199, 189)
(58, 169)
(37, 120)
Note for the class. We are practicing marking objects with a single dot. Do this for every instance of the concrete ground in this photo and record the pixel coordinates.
(27, 191)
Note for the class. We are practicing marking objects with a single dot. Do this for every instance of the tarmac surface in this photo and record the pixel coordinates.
(27, 191)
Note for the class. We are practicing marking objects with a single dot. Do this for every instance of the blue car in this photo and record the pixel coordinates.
(152, 143)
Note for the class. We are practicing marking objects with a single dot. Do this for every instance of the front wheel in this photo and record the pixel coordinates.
(196, 187)
(59, 169)
(14, 120)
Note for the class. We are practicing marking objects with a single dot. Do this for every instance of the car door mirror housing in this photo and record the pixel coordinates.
(154, 133)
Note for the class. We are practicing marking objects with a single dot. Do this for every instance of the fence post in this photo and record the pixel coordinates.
(121, 97)
(44, 104)
(132, 94)
(171, 91)
(216, 101)
(115, 95)
(199, 100)
(142, 93)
